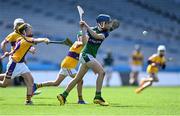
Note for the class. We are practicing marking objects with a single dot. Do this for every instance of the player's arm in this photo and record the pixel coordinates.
(83, 37)
(78, 44)
(3, 45)
(151, 60)
(40, 40)
(9, 38)
(163, 66)
(154, 64)
(13, 51)
(92, 33)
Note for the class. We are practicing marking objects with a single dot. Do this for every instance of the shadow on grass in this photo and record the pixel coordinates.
(1, 99)
(44, 98)
(128, 106)
(46, 105)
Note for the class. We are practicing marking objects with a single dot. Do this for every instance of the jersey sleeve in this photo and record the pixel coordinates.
(151, 58)
(106, 34)
(30, 40)
(10, 38)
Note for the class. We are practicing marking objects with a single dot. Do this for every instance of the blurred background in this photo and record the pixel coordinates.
(58, 19)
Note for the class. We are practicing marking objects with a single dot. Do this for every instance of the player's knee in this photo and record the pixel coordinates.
(150, 83)
(56, 83)
(81, 82)
(102, 73)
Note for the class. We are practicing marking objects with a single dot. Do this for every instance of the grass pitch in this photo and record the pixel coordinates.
(123, 101)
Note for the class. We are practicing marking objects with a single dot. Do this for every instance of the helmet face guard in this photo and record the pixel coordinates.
(23, 28)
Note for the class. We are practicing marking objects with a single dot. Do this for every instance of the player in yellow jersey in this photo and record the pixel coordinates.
(68, 66)
(156, 62)
(136, 63)
(16, 65)
(12, 38)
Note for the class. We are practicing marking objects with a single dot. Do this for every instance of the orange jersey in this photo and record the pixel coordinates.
(155, 58)
(21, 48)
(137, 58)
(71, 60)
(13, 38)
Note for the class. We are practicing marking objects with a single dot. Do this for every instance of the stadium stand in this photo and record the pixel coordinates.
(50, 19)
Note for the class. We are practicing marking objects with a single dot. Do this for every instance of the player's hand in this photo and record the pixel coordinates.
(46, 40)
(83, 24)
(33, 50)
(6, 54)
(78, 44)
(153, 64)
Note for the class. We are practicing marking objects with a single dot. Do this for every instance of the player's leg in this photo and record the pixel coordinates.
(134, 74)
(22, 70)
(5, 82)
(80, 74)
(131, 76)
(108, 76)
(57, 82)
(9, 74)
(131, 79)
(29, 84)
(79, 91)
(108, 80)
(147, 82)
(136, 77)
(72, 73)
(98, 69)
(2, 76)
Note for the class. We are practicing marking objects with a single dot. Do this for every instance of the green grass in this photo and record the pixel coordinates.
(123, 101)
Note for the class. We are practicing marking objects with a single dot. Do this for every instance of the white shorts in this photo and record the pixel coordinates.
(68, 72)
(15, 69)
(154, 77)
(135, 68)
(84, 58)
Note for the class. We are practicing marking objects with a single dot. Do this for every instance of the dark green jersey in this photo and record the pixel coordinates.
(92, 46)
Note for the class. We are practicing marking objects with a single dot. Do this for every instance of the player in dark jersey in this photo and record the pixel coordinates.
(95, 36)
